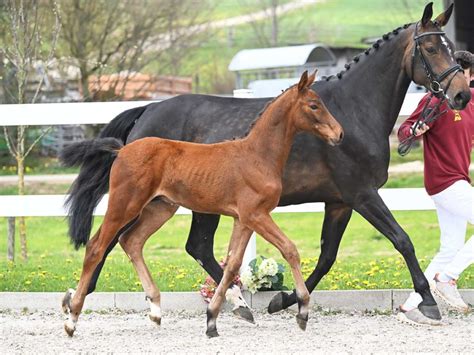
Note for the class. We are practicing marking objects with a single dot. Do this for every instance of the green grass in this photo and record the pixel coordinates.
(35, 164)
(55, 266)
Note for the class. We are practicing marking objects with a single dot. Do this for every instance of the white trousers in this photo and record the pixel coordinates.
(455, 208)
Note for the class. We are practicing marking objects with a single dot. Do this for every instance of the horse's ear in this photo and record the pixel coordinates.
(311, 78)
(427, 14)
(303, 81)
(443, 18)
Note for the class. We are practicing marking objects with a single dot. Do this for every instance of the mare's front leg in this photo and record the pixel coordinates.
(371, 206)
(238, 242)
(200, 246)
(336, 218)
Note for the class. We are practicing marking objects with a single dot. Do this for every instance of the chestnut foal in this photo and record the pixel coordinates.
(240, 178)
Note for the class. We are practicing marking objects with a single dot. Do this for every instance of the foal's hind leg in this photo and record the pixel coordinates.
(117, 216)
(238, 241)
(153, 216)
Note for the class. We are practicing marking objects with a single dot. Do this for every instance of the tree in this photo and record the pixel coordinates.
(29, 39)
(267, 36)
(124, 36)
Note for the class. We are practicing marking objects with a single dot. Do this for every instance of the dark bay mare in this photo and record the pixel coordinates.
(241, 178)
(366, 98)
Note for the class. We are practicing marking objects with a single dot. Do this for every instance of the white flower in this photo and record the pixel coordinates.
(247, 276)
(268, 267)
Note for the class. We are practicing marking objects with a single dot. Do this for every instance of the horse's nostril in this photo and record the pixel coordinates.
(462, 98)
(341, 136)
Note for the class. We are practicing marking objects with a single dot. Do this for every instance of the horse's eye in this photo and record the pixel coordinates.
(313, 107)
(431, 50)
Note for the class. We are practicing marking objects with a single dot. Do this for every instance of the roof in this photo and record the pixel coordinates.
(281, 57)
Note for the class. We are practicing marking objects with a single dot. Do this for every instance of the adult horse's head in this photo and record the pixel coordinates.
(312, 115)
(430, 60)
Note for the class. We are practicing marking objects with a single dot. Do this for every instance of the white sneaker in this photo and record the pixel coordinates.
(416, 318)
(448, 292)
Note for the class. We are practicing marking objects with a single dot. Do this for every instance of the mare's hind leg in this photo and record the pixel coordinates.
(117, 216)
(264, 225)
(238, 242)
(153, 216)
(336, 218)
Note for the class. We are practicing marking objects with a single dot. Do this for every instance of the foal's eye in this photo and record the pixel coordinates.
(313, 107)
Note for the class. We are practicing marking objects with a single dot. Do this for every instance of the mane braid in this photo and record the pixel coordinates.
(367, 52)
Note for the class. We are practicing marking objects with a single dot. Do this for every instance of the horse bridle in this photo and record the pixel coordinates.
(435, 80)
(429, 114)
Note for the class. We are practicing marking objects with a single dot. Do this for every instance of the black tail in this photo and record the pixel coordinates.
(95, 157)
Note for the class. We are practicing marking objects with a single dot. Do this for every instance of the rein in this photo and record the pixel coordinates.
(429, 114)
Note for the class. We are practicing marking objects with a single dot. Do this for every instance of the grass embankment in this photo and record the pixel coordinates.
(335, 23)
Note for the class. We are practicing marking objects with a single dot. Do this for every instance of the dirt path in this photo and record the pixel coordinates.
(184, 332)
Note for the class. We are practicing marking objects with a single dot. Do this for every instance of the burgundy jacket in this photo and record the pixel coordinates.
(447, 145)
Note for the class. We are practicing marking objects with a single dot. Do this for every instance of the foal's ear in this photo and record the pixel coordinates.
(303, 81)
(311, 78)
(427, 14)
(443, 18)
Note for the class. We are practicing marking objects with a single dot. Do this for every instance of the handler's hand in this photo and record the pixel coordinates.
(420, 130)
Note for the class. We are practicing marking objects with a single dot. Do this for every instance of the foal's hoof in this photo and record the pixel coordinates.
(69, 328)
(212, 333)
(155, 319)
(278, 302)
(302, 321)
(244, 313)
(66, 303)
(431, 312)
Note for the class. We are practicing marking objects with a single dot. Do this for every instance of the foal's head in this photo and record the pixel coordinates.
(311, 115)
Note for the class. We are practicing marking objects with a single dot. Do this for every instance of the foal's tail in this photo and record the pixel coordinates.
(95, 158)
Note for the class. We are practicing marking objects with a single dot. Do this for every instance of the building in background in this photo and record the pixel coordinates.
(268, 71)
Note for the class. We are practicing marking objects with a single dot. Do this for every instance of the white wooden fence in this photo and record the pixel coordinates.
(104, 112)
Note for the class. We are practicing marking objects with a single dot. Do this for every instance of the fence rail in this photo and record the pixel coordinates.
(101, 112)
(400, 199)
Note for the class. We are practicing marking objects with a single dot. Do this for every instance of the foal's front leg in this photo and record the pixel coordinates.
(238, 242)
(336, 218)
(264, 225)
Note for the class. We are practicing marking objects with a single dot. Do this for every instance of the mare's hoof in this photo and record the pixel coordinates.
(69, 329)
(212, 333)
(431, 312)
(302, 321)
(155, 319)
(278, 302)
(66, 303)
(244, 313)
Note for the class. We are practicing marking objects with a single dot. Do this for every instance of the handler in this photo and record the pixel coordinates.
(447, 146)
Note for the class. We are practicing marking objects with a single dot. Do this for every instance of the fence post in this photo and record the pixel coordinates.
(11, 238)
(251, 251)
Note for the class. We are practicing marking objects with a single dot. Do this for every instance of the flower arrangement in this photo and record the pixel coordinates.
(208, 288)
(263, 274)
